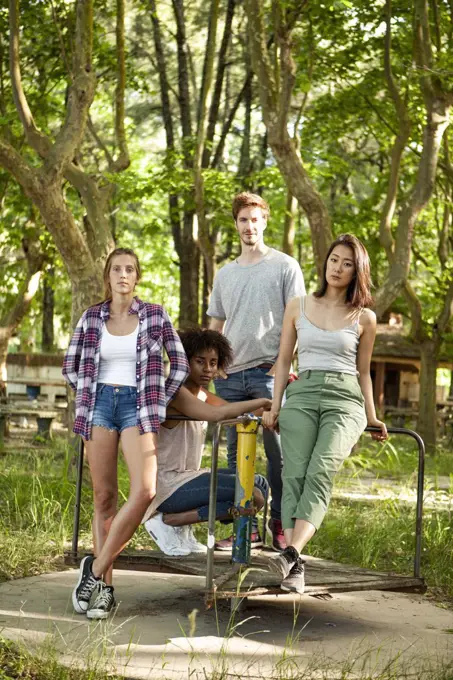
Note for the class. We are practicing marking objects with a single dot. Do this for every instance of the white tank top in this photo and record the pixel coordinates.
(118, 358)
(326, 350)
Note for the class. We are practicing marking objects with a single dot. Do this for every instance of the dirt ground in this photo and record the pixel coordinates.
(156, 632)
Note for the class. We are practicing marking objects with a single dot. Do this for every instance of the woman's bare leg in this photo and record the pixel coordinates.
(140, 455)
(299, 536)
(102, 455)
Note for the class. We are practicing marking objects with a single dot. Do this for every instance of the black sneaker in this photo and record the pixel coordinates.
(103, 603)
(295, 581)
(85, 587)
(283, 563)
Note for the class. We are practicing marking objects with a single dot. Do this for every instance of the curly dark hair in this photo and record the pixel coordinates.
(198, 340)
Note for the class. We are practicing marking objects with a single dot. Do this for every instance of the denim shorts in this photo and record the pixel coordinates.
(115, 407)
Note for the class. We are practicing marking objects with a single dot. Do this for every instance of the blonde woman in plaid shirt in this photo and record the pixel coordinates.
(115, 365)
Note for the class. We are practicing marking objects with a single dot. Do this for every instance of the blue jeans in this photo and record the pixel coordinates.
(253, 383)
(115, 408)
(194, 495)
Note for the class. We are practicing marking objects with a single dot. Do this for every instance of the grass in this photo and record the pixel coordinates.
(398, 458)
(37, 498)
(17, 662)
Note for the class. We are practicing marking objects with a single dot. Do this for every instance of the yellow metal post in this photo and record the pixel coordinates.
(243, 500)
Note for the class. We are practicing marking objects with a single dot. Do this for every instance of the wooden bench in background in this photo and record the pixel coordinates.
(43, 413)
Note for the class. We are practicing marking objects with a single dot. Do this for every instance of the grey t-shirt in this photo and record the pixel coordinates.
(252, 300)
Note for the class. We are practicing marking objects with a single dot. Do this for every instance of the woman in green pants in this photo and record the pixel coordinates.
(328, 408)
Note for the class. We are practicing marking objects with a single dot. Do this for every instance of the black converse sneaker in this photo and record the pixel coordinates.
(103, 604)
(282, 563)
(295, 581)
(85, 587)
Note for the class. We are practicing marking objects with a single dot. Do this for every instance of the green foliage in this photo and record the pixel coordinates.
(346, 132)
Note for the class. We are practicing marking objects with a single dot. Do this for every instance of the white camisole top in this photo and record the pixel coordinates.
(118, 358)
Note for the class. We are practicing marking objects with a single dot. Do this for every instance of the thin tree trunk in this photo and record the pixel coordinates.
(221, 66)
(4, 341)
(427, 415)
(189, 259)
(205, 240)
(289, 229)
(48, 305)
(205, 298)
(275, 89)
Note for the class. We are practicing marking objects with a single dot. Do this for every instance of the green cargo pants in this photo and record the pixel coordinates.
(322, 419)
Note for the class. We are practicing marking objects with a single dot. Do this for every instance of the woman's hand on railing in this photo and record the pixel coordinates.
(378, 436)
(270, 419)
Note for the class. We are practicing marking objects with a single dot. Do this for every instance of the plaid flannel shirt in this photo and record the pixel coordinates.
(81, 364)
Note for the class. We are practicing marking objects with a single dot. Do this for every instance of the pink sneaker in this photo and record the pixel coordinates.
(227, 543)
(278, 537)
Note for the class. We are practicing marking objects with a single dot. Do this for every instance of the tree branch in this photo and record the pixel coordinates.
(183, 73)
(81, 94)
(399, 144)
(416, 312)
(283, 147)
(221, 66)
(445, 315)
(36, 139)
(100, 143)
(167, 115)
(122, 161)
(206, 243)
(25, 175)
(229, 121)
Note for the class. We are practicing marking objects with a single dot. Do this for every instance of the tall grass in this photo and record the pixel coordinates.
(37, 499)
(17, 662)
(365, 664)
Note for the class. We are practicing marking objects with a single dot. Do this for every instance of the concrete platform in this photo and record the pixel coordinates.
(156, 632)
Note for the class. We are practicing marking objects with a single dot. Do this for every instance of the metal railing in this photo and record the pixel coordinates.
(248, 428)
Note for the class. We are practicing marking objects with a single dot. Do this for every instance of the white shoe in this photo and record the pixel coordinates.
(188, 540)
(166, 537)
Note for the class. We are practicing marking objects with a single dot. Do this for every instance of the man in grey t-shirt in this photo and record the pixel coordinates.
(247, 304)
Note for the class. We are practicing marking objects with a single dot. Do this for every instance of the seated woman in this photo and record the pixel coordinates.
(182, 496)
(328, 408)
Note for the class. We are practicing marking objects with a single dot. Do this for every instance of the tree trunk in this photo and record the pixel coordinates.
(289, 229)
(427, 417)
(188, 289)
(275, 90)
(205, 298)
(48, 305)
(85, 293)
(189, 259)
(4, 340)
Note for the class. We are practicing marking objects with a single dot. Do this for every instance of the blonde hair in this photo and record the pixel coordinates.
(108, 266)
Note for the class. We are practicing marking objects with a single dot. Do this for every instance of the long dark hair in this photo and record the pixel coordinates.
(358, 292)
(108, 266)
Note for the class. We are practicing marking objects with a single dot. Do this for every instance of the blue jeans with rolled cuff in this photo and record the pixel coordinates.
(194, 495)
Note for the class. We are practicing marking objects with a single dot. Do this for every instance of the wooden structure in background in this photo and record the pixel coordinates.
(395, 369)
